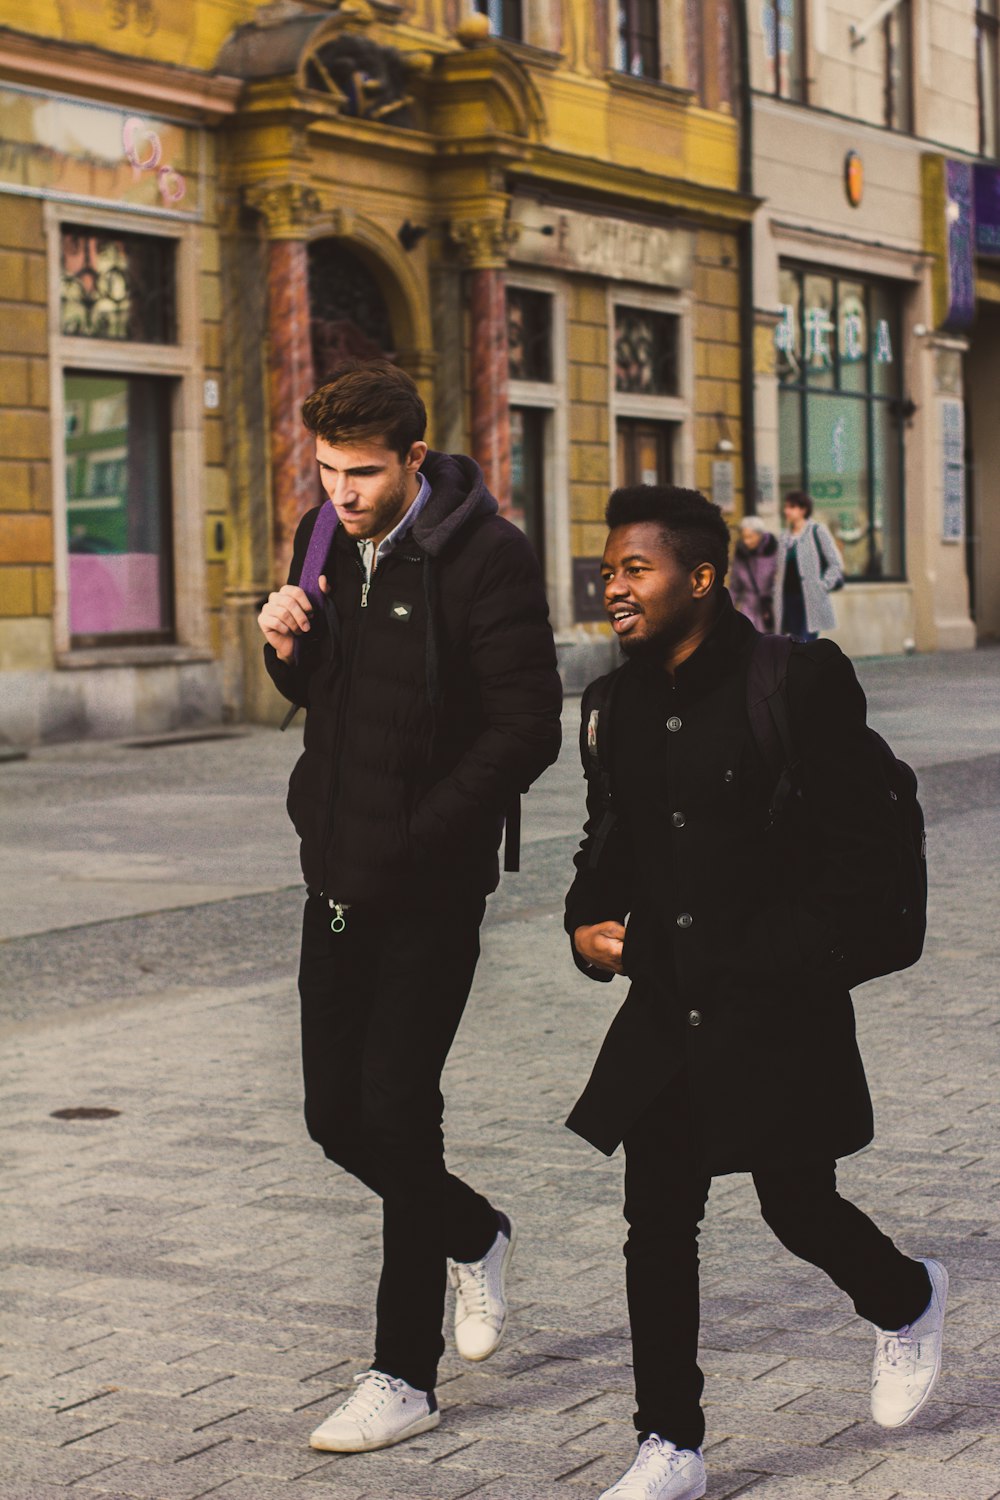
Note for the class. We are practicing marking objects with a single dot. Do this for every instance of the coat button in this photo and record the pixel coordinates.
(694, 1017)
(728, 776)
(673, 723)
(685, 919)
(678, 819)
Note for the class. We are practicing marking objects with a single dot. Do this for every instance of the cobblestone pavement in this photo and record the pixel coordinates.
(189, 1287)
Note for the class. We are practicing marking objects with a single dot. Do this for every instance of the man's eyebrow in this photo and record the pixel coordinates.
(355, 469)
(632, 557)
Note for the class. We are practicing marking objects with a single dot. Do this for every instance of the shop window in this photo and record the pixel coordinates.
(348, 315)
(897, 31)
(529, 334)
(527, 473)
(638, 50)
(644, 451)
(117, 286)
(646, 352)
(840, 412)
(505, 17)
(785, 48)
(118, 507)
(988, 70)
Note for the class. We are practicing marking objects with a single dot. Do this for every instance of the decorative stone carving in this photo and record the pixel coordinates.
(368, 81)
(482, 243)
(291, 209)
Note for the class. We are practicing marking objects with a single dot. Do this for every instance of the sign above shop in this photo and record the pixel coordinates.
(986, 189)
(949, 233)
(53, 147)
(854, 178)
(596, 245)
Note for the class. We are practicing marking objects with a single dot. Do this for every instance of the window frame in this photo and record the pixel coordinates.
(677, 410)
(502, 8)
(800, 8)
(551, 396)
(803, 389)
(988, 22)
(631, 7)
(897, 36)
(182, 364)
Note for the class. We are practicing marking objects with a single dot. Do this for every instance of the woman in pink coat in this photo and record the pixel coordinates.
(751, 576)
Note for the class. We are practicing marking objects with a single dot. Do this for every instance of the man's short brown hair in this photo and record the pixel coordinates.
(366, 400)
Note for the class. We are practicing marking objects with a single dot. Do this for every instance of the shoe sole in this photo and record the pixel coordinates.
(477, 1359)
(332, 1446)
(937, 1368)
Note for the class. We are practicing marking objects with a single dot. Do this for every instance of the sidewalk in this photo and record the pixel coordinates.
(189, 1286)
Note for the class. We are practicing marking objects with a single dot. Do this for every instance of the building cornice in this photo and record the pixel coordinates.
(109, 77)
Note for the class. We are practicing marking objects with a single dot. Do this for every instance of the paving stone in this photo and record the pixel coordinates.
(192, 1282)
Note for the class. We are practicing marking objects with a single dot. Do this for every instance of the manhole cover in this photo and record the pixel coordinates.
(85, 1112)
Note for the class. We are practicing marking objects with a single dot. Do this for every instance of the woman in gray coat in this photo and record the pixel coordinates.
(809, 570)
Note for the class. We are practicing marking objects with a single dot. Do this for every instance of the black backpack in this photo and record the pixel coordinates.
(896, 939)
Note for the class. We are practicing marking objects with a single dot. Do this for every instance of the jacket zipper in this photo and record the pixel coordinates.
(339, 920)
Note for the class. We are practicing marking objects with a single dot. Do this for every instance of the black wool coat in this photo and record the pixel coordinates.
(429, 706)
(733, 939)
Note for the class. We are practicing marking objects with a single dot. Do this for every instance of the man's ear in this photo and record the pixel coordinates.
(702, 580)
(415, 457)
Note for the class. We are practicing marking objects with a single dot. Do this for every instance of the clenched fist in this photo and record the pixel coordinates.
(286, 615)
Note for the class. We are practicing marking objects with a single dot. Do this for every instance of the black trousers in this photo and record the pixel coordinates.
(665, 1196)
(381, 1002)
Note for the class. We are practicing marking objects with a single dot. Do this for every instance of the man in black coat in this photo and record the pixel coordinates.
(735, 1048)
(414, 631)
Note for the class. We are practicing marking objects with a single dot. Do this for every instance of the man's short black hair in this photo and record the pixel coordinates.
(691, 525)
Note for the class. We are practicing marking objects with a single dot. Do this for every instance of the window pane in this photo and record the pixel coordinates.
(887, 508)
(529, 334)
(527, 470)
(788, 333)
(791, 49)
(987, 53)
(899, 79)
(790, 476)
(852, 335)
(117, 286)
(818, 331)
(117, 459)
(505, 17)
(638, 38)
(644, 451)
(837, 473)
(886, 370)
(646, 352)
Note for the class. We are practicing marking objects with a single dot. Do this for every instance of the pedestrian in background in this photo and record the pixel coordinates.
(751, 577)
(414, 630)
(808, 571)
(735, 1048)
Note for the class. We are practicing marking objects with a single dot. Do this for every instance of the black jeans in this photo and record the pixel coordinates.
(665, 1196)
(381, 1002)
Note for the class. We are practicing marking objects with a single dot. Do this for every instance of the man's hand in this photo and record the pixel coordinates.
(601, 945)
(286, 615)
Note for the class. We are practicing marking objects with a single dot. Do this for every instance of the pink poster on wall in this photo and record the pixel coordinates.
(114, 595)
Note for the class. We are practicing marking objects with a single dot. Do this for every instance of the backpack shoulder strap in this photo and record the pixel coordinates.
(598, 701)
(767, 703)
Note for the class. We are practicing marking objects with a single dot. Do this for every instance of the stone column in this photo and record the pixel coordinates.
(483, 245)
(289, 210)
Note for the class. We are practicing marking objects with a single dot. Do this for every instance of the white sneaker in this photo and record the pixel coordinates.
(907, 1361)
(481, 1295)
(382, 1411)
(661, 1472)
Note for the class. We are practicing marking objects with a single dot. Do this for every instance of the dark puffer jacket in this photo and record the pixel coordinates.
(430, 707)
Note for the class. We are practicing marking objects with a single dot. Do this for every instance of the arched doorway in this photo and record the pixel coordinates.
(348, 316)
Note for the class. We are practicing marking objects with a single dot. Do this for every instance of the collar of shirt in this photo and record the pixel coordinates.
(370, 559)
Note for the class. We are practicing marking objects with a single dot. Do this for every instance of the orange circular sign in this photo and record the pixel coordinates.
(854, 178)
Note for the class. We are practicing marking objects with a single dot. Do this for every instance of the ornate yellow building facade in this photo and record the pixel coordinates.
(539, 209)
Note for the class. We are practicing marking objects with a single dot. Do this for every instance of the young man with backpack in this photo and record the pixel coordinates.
(752, 850)
(414, 631)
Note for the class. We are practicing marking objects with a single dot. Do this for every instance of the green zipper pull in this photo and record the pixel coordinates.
(339, 921)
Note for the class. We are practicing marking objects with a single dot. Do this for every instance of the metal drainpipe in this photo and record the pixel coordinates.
(746, 267)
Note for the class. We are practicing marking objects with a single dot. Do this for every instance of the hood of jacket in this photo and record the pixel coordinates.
(458, 496)
(767, 547)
